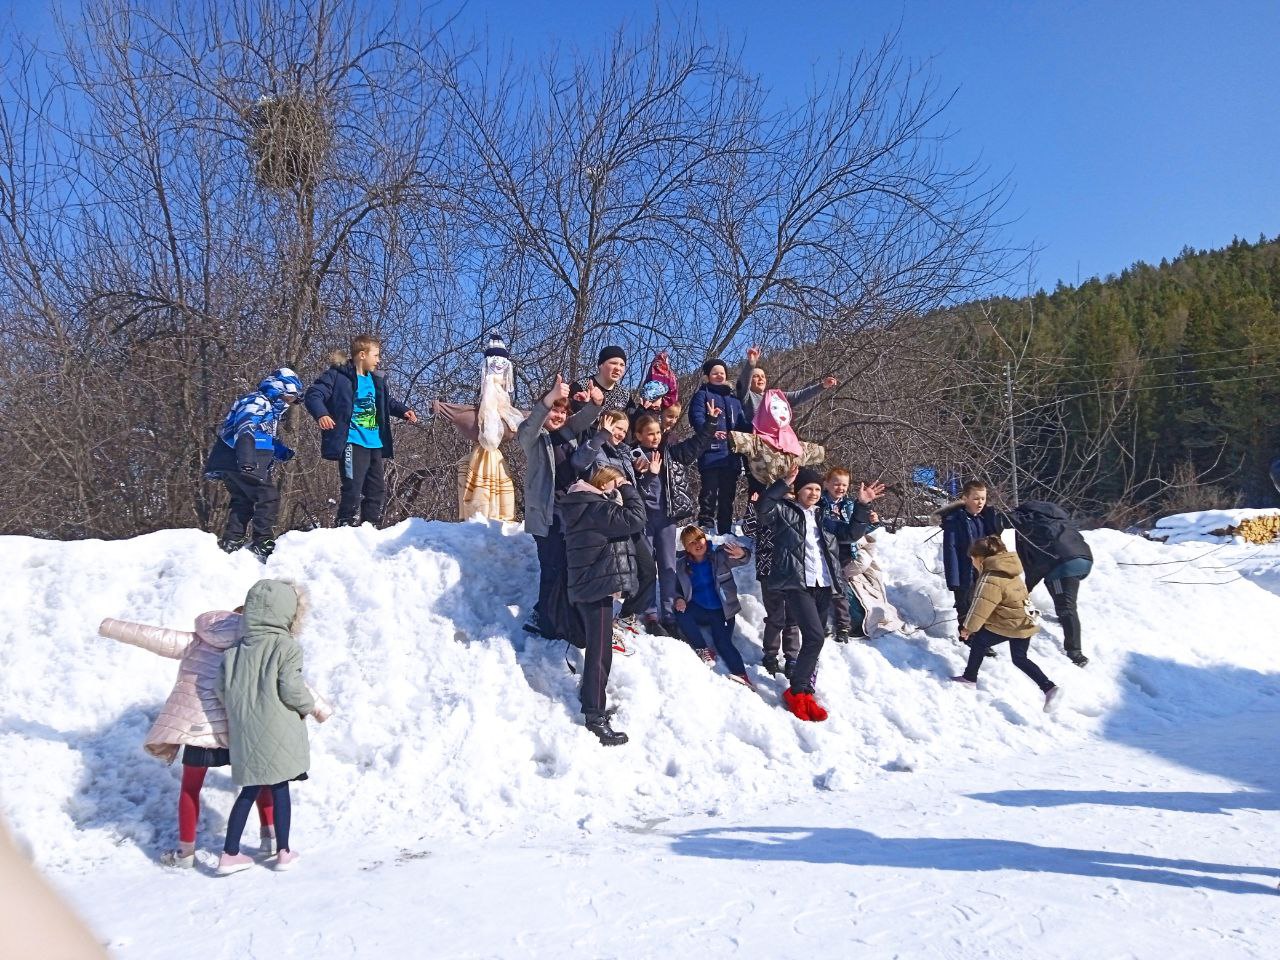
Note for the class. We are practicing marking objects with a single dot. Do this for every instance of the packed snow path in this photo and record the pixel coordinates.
(457, 808)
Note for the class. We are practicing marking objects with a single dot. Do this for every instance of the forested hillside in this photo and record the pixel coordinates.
(1121, 386)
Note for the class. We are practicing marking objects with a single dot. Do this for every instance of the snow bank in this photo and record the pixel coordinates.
(1203, 526)
(451, 719)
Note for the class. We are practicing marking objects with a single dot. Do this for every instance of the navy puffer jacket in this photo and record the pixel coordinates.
(334, 395)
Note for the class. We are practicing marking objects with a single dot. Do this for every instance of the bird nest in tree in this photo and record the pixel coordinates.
(289, 138)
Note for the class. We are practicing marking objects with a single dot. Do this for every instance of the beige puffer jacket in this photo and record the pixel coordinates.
(1000, 600)
(193, 715)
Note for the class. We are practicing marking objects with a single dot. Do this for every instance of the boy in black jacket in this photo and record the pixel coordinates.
(806, 563)
(353, 408)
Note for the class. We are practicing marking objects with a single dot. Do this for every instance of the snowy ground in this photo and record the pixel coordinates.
(456, 809)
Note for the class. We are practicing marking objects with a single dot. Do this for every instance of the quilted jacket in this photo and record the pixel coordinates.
(261, 685)
(1000, 600)
(193, 715)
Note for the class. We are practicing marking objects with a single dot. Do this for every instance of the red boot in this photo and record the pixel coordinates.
(816, 710)
(797, 703)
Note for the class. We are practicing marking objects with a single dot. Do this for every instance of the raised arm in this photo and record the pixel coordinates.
(798, 398)
(160, 640)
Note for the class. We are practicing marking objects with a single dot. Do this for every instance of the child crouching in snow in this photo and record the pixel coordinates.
(193, 717)
(260, 683)
(1001, 611)
(707, 597)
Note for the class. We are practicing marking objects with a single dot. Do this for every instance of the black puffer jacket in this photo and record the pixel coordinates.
(600, 451)
(1046, 537)
(597, 538)
(784, 518)
(674, 475)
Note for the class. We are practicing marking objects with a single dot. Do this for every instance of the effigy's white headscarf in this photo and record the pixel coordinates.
(494, 414)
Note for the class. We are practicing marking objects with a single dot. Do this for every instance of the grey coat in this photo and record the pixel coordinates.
(749, 399)
(723, 565)
(260, 684)
(540, 464)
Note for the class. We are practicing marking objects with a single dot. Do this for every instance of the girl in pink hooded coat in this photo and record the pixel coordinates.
(193, 717)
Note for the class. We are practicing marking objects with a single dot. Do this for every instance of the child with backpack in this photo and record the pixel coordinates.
(1052, 550)
(193, 719)
(1001, 612)
(353, 408)
(260, 684)
(602, 519)
(243, 455)
(707, 597)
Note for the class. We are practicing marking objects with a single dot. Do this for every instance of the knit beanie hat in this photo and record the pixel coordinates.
(612, 353)
(805, 477)
(711, 364)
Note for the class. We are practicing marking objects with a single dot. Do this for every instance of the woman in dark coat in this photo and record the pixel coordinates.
(601, 518)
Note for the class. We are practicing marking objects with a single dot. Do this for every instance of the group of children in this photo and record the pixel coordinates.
(608, 501)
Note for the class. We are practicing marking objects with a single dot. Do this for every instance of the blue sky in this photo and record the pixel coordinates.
(1129, 129)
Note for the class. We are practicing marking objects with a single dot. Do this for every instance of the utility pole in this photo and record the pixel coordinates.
(1013, 446)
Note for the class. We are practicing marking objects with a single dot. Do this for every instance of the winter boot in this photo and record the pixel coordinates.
(231, 544)
(786, 667)
(817, 711)
(795, 702)
(263, 548)
(843, 635)
(1078, 658)
(771, 665)
(608, 736)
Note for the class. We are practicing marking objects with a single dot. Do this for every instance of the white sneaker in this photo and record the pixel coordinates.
(178, 858)
(230, 863)
(1051, 698)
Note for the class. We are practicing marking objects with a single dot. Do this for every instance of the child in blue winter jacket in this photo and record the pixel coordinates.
(707, 598)
(243, 455)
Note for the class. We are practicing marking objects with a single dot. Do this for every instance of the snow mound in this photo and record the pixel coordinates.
(451, 719)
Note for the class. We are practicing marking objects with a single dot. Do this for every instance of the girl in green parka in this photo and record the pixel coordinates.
(261, 686)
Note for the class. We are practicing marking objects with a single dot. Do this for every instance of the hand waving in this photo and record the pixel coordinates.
(753, 356)
(655, 463)
(870, 491)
